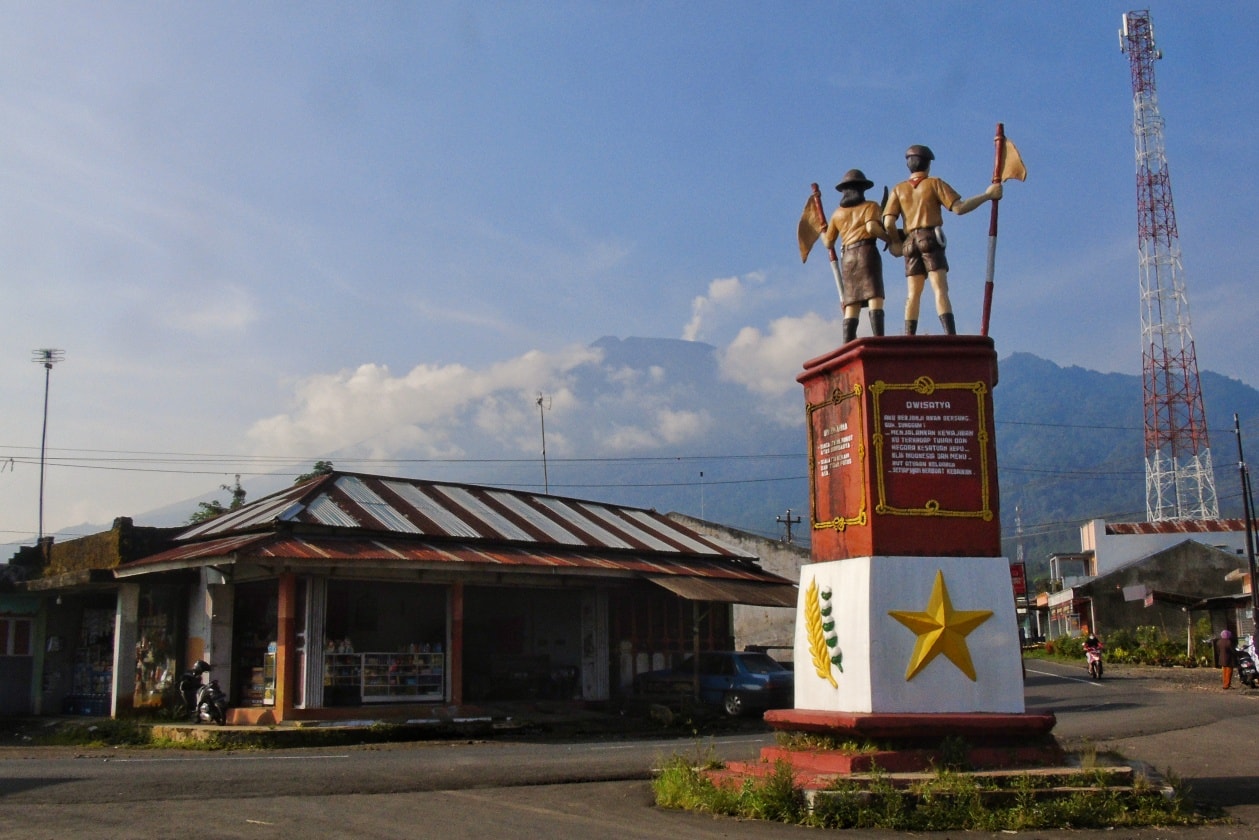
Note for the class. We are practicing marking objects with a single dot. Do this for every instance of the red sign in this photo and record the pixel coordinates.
(1018, 576)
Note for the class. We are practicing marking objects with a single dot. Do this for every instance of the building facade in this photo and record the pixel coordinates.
(356, 590)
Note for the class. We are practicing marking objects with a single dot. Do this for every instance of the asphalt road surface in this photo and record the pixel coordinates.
(504, 789)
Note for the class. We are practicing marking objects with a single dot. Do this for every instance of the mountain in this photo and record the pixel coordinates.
(1070, 447)
(652, 423)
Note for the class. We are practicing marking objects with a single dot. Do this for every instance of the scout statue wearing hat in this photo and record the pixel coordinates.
(855, 223)
(918, 200)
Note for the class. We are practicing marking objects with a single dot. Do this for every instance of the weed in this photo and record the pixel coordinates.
(950, 800)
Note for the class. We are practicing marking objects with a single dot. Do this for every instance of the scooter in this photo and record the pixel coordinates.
(1094, 657)
(1247, 671)
(204, 702)
(211, 703)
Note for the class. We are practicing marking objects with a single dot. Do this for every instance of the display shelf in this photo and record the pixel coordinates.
(387, 677)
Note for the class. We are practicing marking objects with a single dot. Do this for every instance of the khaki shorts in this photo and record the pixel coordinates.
(924, 253)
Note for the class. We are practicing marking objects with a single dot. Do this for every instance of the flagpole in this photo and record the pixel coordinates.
(999, 140)
(830, 249)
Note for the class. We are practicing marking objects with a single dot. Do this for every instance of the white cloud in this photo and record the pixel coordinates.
(676, 427)
(421, 410)
(767, 363)
(723, 293)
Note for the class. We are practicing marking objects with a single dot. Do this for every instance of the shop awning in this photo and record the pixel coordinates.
(1222, 602)
(729, 591)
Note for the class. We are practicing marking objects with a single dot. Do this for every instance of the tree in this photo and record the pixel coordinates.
(320, 468)
(214, 508)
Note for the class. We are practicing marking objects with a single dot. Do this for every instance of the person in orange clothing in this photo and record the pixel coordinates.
(1226, 656)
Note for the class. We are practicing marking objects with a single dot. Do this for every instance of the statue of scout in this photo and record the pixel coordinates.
(918, 201)
(856, 224)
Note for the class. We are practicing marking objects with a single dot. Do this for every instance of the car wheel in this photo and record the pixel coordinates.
(733, 704)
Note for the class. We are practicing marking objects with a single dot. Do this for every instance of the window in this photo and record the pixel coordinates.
(15, 636)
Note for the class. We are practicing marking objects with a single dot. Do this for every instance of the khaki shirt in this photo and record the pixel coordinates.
(920, 202)
(848, 224)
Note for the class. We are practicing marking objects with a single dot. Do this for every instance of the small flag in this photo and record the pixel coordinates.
(1013, 168)
(810, 228)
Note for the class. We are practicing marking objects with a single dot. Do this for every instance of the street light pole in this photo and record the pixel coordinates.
(46, 357)
(543, 404)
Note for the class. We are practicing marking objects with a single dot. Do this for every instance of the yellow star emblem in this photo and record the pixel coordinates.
(941, 629)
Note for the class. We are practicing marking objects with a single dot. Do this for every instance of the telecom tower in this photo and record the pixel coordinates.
(1179, 482)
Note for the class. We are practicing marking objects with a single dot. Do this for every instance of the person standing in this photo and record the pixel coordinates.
(857, 226)
(918, 201)
(1226, 656)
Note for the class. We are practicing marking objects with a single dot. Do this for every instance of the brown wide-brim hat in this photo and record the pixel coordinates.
(854, 179)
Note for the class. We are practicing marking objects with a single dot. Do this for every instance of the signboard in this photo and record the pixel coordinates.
(1018, 576)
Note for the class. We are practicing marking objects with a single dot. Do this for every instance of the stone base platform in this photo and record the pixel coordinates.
(902, 743)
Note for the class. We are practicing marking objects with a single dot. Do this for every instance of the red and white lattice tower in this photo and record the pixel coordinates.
(1179, 482)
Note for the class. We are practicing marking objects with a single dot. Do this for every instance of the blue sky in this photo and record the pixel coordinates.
(275, 229)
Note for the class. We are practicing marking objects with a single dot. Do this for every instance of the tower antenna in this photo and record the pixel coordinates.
(1179, 482)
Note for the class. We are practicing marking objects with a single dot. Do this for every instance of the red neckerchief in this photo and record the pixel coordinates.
(917, 178)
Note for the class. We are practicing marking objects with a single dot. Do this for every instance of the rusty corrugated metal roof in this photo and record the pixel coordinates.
(445, 511)
(1178, 526)
(347, 552)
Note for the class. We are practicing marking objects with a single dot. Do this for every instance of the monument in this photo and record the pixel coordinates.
(906, 631)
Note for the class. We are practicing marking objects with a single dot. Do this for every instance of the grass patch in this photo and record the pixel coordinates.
(946, 800)
(100, 732)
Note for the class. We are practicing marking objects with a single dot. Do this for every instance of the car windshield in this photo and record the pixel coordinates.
(759, 663)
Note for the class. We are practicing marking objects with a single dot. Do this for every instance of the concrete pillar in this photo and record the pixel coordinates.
(454, 690)
(286, 647)
(126, 634)
(221, 607)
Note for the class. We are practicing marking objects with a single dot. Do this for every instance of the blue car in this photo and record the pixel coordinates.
(736, 681)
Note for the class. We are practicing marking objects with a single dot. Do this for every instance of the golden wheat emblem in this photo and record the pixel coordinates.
(819, 625)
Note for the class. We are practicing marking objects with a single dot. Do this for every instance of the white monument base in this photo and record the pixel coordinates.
(908, 635)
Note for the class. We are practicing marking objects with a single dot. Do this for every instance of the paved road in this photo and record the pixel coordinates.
(575, 791)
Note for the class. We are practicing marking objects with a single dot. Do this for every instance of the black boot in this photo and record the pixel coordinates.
(911, 327)
(850, 329)
(876, 321)
(950, 326)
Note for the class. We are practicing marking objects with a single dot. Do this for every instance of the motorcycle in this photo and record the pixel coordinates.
(1247, 671)
(204, 701)
(1094, 657)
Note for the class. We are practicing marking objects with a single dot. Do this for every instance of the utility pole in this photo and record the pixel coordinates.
(788, 520)
(543, 404)
(46, 357)
(1248, 509)
(1179, 482)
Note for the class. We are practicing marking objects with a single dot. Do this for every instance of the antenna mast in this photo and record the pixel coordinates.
(1179, 482)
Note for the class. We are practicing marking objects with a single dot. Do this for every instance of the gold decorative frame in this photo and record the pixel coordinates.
(926, 386)
(839, 523)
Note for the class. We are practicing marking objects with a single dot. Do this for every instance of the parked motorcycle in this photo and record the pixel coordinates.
(205, 701)
(1247, 670)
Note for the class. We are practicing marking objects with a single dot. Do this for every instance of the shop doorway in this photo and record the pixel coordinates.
(521, 643)
(385, 642)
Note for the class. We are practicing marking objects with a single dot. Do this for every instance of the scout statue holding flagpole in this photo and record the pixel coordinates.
(856, 225)
(919, 201)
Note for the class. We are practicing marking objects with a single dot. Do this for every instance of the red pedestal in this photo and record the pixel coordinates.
(902, 455)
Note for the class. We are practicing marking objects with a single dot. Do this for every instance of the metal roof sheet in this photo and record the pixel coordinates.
(442, 510)
(366, 551)
(1178, 526)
